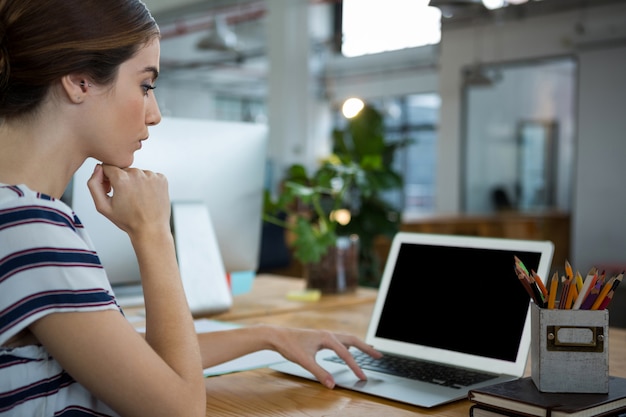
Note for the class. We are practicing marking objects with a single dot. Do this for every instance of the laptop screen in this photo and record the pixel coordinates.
(456, 298)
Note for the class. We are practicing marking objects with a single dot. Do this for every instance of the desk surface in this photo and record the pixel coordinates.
(264, 392)
(268, 298)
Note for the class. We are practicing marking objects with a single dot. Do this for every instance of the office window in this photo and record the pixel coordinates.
(240, 109)
(416, 117)
(373, 26)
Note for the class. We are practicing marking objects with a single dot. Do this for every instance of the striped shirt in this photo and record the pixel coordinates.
(47, 265)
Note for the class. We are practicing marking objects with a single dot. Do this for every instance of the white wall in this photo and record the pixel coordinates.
(598, 229)
(599, 218)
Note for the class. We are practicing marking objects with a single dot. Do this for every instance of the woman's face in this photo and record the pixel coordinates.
(122, 112)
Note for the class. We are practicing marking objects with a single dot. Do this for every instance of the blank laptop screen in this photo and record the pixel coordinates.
(467, 300)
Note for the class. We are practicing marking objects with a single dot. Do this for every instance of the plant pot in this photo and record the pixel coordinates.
(338, 271)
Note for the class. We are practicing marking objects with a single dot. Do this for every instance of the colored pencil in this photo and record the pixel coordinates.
(532, 290)
(591, 297)
(608, 286)
(554, 287)
(579, 281)
(519, 263)
(588, 284)
(568, 270)
(607, 300)
(571, 292)
(536, 278)
(564, 291)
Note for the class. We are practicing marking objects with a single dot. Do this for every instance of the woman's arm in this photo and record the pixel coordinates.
(296, 345)
(158, 375)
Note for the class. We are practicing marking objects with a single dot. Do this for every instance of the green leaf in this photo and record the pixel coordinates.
(310, 244)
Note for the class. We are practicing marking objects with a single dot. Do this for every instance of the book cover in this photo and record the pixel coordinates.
(522, 396)
(478, 410)
(483, 411)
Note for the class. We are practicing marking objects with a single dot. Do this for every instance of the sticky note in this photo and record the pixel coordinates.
(304, 295)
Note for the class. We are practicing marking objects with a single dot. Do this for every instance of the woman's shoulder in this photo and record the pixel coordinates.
(21, 192)
(19, 204)
(47, 253)
(21, 195)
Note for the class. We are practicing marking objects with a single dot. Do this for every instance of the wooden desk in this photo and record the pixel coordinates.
(264, 392)
(268, 297)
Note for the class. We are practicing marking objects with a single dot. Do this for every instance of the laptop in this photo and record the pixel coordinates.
(452, 302)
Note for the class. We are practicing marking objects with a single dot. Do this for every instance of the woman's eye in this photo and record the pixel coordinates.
(147, 87)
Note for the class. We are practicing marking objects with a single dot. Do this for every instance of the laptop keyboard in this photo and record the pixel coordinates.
(418, 370)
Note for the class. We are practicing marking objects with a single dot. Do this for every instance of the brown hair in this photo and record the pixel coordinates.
(44, 40)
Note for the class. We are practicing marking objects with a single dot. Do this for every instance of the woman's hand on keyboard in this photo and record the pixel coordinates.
(301, 346)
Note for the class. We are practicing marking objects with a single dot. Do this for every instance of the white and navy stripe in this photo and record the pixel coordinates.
(47, 264)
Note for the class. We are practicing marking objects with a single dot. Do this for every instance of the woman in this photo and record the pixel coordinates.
(76, 81)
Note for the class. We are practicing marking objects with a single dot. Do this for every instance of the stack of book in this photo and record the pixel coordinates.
(521, 398)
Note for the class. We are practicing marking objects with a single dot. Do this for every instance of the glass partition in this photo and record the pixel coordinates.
(519, 136)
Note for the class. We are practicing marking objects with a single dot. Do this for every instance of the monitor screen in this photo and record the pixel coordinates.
(219, 163)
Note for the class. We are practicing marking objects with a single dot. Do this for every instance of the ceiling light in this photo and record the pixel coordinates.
(351, 107)
(494, 4)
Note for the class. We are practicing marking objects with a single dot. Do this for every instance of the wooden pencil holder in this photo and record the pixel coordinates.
(569, 350)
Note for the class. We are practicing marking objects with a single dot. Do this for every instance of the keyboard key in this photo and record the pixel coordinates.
(418, 370)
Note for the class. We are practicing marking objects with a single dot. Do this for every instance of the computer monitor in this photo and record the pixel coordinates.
(219, 163)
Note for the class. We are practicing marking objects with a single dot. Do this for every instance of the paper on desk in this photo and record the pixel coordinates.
(260, 359)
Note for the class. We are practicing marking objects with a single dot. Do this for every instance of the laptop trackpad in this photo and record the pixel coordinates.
(346, 378)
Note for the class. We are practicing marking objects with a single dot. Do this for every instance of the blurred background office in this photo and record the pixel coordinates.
(516, 107)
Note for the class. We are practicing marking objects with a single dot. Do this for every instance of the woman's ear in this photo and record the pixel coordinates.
(75, 87)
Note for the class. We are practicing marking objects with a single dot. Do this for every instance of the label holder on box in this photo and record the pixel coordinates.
(574, 339)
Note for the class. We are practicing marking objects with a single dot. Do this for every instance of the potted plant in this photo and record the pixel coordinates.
(311, 208)
(324, 211)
